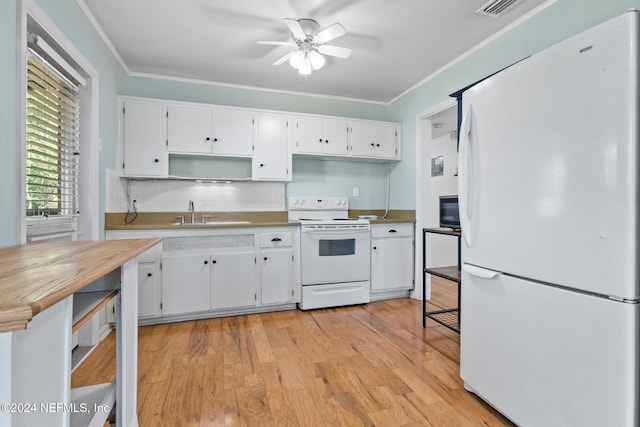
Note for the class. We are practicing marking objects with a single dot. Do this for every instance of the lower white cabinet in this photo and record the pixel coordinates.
(149, 277)
(392, 249)
(148, 290)
(208, 281)
(234, 279)
(186, 283)
(276, 276)
(195, 273)
(278, 267)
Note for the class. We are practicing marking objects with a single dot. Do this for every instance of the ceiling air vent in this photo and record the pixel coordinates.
(496, 8)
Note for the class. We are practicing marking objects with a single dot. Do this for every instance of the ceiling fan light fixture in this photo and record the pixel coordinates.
(305, 68)
(317, 60)
(310, 42)
(297, 59)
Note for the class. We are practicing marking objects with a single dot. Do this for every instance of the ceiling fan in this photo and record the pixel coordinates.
(310, 43)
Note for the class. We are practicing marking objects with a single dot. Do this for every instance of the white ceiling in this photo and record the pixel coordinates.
(395, 44)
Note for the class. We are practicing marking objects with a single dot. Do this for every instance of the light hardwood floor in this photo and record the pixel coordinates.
(366, 365)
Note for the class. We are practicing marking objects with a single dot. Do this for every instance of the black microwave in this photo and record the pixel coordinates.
(449, 212)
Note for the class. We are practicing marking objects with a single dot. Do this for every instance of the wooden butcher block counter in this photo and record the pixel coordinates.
(38, 286)
(35, 276)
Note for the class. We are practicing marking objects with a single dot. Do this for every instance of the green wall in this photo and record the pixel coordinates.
(238, 97)
(555, 23)
(8, 128)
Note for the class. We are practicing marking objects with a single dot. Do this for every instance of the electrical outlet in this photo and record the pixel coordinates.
(356, 191)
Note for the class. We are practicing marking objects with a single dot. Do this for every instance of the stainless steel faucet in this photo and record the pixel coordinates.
(193, 212)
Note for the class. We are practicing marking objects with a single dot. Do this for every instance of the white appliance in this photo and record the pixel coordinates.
(334, 252)
(549, 203)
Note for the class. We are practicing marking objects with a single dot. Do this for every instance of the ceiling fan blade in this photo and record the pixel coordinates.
(295, 28)
(285, 58)
(276, 43)
(331, 32)
(332, 50)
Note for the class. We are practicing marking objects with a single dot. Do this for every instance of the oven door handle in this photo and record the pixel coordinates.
(335, 231)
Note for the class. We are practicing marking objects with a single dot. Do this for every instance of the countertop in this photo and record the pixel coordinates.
(168, 220)
(35, 276)
(222, 220)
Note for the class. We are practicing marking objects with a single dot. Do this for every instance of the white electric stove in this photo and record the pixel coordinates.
(334, 259)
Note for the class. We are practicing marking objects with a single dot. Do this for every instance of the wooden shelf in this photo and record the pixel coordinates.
(447, 231)
(98, 400)
(450, 273)
(87, 304)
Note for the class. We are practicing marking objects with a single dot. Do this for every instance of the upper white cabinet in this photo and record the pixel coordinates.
(320, 135)
(144, 152)
(155, 131)
(374, 140)
(272, 157)
(201, 130)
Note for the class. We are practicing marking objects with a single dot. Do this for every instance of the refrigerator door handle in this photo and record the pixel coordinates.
(464, 174)
(480, 272)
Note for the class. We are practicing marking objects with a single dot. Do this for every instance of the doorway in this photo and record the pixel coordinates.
(436, 145)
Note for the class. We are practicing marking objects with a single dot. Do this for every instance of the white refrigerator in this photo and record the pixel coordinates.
(548, 190)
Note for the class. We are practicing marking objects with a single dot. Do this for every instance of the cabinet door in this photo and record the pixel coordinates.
(277, 276)
(272, 158)
(385, 140)
(185, 283)
(232, 133)
(335, 136)
(234, 279)
(148, 290)
(144, 149)
(373, 140)
(391, 264)
(363, 136)
(189, 129)
(308, 135)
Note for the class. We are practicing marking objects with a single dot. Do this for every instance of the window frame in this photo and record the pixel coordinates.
(33, 19)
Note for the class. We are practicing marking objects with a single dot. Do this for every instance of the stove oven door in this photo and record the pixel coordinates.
(334, 256)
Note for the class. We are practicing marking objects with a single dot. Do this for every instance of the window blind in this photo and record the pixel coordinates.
(52, 151)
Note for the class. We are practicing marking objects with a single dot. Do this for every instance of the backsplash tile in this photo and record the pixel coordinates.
(170, 195)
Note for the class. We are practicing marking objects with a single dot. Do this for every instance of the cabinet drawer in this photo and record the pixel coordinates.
(392, 230)
(275, 240)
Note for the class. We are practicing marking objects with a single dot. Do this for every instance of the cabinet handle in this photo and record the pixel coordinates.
(326, 141)
(265, 258)
(372, 144)
(213, 261)
(156, 160)
(320, 140)
(261, 165)
(148, 274)
(215, 139)
(392, 231)
(207, 139)
(377, 145)
(375, 247)
(206, 262)
(276, 239)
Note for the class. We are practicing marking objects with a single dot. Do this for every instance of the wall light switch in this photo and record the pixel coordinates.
(356, 191)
